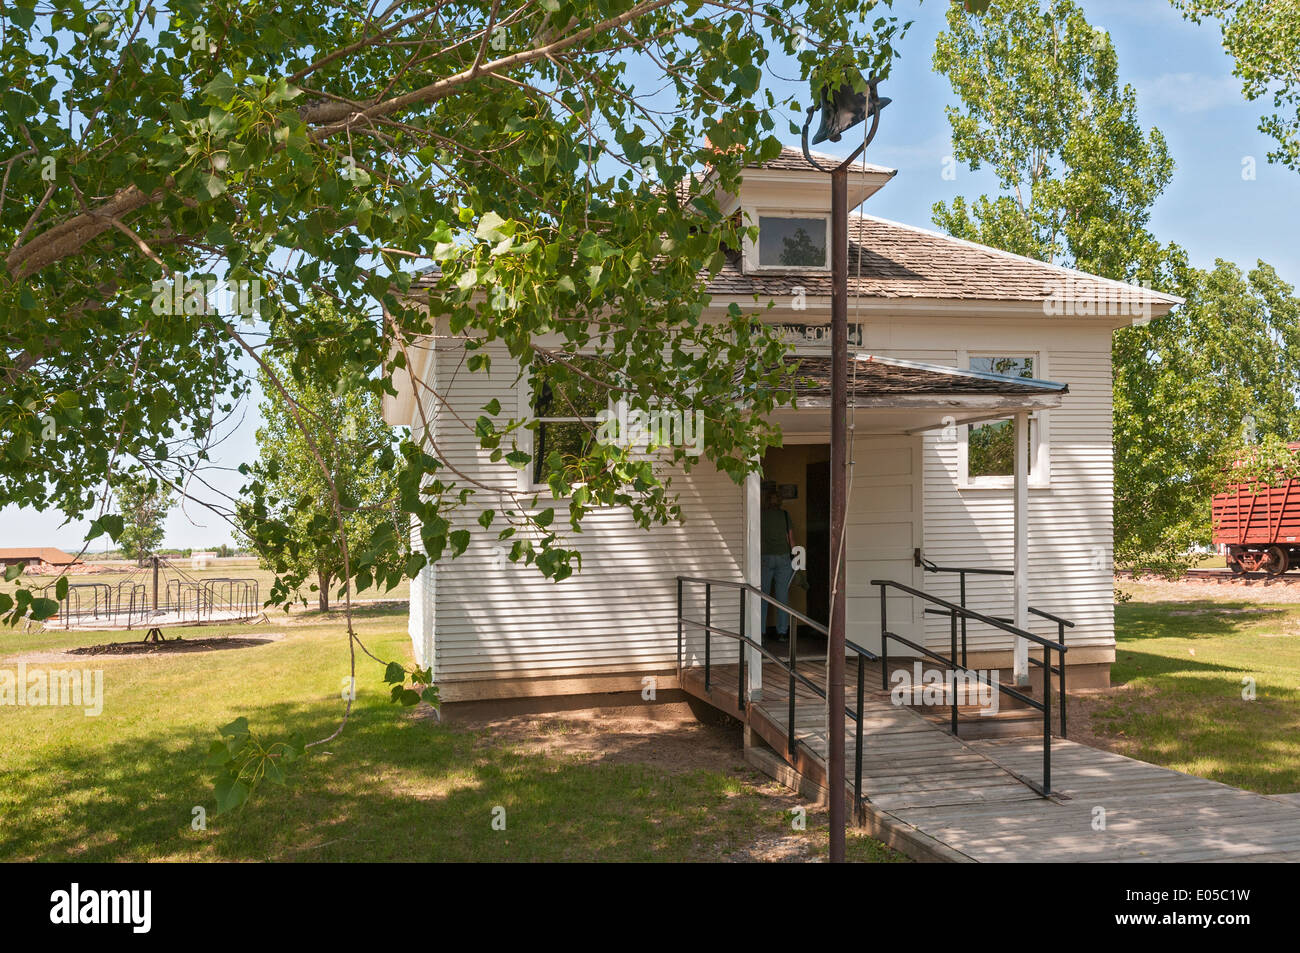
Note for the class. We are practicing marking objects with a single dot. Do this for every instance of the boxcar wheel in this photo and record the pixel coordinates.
(1276, 561)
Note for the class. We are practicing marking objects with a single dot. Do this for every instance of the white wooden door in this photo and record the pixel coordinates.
(885, 528)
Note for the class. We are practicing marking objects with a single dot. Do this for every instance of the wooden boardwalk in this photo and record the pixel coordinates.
(939, 797)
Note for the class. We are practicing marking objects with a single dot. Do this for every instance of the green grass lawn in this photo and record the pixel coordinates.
(393, 787)
(1179, 678)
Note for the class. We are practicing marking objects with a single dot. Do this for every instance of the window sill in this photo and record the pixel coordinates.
(1000, 483)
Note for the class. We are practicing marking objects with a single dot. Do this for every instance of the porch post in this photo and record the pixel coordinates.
(754, 613)
(1020, 584)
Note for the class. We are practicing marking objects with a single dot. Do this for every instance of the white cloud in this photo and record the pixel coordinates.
(1188, 92)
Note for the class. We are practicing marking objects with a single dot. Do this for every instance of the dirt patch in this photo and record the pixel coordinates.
(775, 849)
(1155, 589)
(665, 736)
(1086, 715)
(1217, 610)
(153, 649)
(179, 644)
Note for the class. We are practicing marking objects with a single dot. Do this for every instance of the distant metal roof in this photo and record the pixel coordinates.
(46, 554)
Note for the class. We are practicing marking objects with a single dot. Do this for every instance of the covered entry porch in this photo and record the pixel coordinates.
(892, 404)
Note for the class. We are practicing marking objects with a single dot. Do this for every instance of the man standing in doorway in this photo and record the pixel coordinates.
(777, 536)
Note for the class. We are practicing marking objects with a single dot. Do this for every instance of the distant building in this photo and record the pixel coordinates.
(202, 560)
(33, 556)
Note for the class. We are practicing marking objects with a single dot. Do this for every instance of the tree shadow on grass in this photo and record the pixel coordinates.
(1187, 714)
(391, 788)
(1135, 622)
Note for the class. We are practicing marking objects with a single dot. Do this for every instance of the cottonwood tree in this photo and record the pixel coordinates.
(1263, 38)
(143, 503)
(1195, 391)
(540, 153)
(287, 515)
(1043, 106)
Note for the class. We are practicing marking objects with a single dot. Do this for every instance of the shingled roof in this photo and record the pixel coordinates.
(891, 260)
(873, 376)
(792, 160)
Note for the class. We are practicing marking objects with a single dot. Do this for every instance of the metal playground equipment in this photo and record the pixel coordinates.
(157, 593)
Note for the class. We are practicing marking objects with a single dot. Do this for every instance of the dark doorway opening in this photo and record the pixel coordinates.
(800, 476)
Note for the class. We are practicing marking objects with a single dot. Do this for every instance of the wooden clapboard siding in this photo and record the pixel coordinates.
(479, 620)
(618, 613)
(1071, 539)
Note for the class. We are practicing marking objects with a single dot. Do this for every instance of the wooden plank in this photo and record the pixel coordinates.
(940, 797)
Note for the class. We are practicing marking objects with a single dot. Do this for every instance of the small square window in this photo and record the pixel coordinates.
(791, 242)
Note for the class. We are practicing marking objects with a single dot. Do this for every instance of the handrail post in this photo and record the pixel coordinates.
(708, 623)
(884, 642)
(679, 623)
(952, 675)
(857, 743)
(1047, 721)
(963, 619)
(1060, 658)
(791, 741)
(740, 656)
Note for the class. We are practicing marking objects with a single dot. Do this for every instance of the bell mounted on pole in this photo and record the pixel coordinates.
(844, 108)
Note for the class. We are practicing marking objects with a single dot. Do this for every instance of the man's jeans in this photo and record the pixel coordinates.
(777, 573)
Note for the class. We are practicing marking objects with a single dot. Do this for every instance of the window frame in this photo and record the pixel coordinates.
(1040, 473)
(527, 441)
(753, 261)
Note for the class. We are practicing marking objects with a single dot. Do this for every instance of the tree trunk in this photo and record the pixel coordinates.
(323, 583)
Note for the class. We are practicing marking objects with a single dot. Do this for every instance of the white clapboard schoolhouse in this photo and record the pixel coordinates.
(962, 354)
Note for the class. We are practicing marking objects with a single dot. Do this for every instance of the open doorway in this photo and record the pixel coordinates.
(799, 475)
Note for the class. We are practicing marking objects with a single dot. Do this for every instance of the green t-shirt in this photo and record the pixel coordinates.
(775, 527)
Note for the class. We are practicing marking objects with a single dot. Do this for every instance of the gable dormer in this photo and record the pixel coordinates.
(790, 202)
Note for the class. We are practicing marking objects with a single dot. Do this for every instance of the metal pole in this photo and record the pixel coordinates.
(741, 649)
(155, 583)
(839, 487)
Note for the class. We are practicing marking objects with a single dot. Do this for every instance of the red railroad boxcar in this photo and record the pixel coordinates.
(1259, 525)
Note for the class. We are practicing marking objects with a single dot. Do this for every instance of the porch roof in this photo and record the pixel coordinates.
(890, 395)
(873, 376)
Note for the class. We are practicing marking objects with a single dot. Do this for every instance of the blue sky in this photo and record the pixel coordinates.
(1184, 87)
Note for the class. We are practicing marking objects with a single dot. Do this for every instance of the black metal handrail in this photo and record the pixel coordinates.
(1061, 624)
(788, 665)
(954, 611)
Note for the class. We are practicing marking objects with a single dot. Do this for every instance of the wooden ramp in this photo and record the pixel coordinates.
(939, 797)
